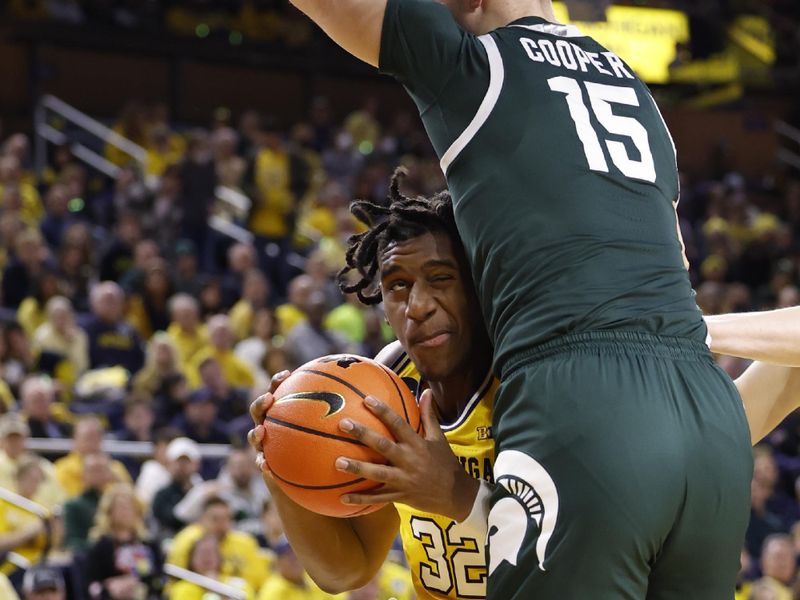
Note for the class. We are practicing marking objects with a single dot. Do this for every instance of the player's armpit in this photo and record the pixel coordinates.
(353, 24)
(769, 394)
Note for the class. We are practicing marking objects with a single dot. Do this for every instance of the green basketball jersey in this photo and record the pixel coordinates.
(562, 171)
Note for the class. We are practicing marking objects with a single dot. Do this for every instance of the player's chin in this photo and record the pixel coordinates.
(436, 364)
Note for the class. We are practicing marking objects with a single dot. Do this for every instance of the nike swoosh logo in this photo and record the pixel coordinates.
(334, 401)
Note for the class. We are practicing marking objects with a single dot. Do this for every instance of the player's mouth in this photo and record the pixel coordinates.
(434, 340)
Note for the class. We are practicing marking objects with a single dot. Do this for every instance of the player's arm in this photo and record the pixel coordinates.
(771, 336)
(353, 24)
(338, 554)
(769, 394)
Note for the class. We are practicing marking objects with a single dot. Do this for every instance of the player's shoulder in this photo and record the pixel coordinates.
(391, 355)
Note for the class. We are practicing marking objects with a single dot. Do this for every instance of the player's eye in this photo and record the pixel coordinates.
(397, 285)
(441, 278)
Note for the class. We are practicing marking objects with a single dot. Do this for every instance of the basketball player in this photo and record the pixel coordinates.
(414, 250)
(623, 454)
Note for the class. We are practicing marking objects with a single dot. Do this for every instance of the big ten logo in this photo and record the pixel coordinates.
(484, 432)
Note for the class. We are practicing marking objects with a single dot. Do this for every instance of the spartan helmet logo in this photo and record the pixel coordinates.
(532, 498)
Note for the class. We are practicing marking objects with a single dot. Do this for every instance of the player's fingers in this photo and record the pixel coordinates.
(370, 438)
(260, 406)
(278, 379)
(397, 425)
(371, 471)
(255, 437)
(430, 421)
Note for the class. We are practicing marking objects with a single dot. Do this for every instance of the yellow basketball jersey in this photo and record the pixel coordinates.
(447, 561)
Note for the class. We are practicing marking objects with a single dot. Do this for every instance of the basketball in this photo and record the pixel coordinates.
(303, 439)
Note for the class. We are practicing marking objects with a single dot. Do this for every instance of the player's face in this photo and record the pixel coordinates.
(430, 304)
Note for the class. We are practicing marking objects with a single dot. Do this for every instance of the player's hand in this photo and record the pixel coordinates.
(258, 411)
(422, 472)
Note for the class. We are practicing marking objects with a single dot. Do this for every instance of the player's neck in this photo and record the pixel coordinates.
(502, 12)
(451, 395)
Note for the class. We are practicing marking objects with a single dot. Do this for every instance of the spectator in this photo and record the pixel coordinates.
(75, 270)
(232, 402)
(763, 523)
(199, 423)
(187, 332)
(309, 340)
(79, 512)
(31, 312)
(17, 358)
(162, 363)
(138, 422)
(253, 349)
(779, 503)
(198, 184)
(349, 319)
(210, 297)
(122, 563)
(27, 263)
(163, 223)
(155, 472)
(186, 275)
(87, 439)
(14, 433)
(43, 583)
(118, 256)
(239, 484)
(205, 558)
(229, 166)
(57, 216)
(149, 309)
(36, 400)
(778, 562)
(20, 530)
(274, 204)
(112, 341)
(294, 311)
(146, 254)
(60, 337)
(12, 180)
(235, 371)
(183, 461)
(254, 296)
(241, 260)
(239, 550)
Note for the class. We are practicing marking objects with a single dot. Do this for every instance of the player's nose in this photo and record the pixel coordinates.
(420, 304)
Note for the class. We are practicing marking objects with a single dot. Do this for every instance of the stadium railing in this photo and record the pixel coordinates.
(51, 446)
(232, 205)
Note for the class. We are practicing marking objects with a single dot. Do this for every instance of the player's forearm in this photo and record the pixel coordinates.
(353, 24)
(770, 336)
(769, 394)
(332, 550)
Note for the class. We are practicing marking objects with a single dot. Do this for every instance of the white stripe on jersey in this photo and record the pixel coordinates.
(554, 29)
(496, 76)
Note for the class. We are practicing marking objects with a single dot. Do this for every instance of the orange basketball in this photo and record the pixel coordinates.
(303, 439)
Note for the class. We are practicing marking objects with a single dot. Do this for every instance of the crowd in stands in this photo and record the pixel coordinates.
(126, 316)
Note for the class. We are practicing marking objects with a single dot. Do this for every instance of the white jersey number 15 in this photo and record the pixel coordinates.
(601, 97)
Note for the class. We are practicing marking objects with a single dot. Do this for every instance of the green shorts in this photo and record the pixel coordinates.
(624, 464)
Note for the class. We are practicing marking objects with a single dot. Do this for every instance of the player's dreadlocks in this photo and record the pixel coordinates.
(405, 218)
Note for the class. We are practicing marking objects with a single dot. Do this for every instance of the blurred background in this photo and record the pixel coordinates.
(174, 186)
